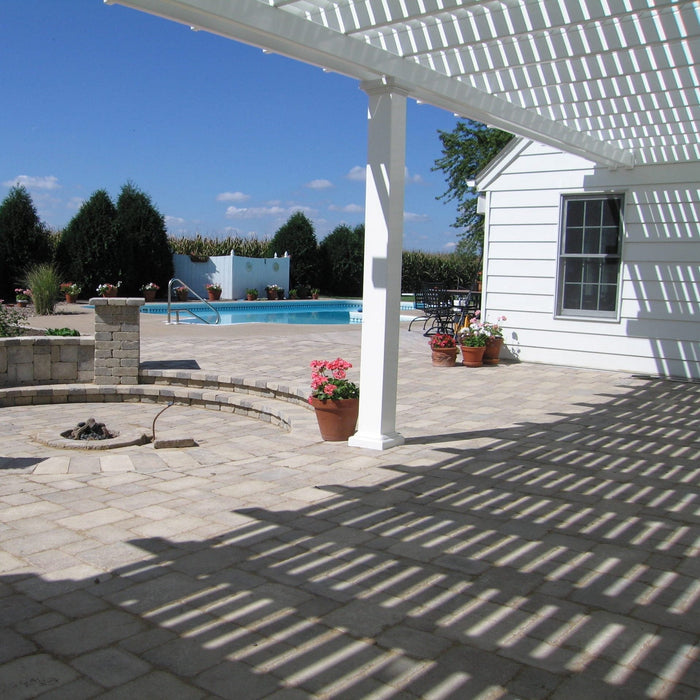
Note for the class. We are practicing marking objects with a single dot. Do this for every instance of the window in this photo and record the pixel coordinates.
(589, 257)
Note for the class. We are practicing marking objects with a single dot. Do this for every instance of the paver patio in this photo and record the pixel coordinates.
(536, 537)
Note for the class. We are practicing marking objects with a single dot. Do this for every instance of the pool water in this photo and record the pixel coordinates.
(317, 312)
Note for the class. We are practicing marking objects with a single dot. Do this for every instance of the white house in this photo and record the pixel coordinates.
(592, 266)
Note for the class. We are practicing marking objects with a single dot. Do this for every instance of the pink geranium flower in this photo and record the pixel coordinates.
(329, 380)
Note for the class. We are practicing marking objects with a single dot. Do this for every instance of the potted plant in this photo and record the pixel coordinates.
(293, 294)
(472, 340)
(444, 350)
(494, 341)
(335, 399)
(272, 291)
(71, 290)
(213, 290)
(23, 296)
(149, 290)
(251, 294)
(182, 293)
(106, 289)
(315, 292)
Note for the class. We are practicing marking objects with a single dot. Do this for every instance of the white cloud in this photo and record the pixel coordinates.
(319, 184)
(32, 182)
(348, 208)
(358, 173)
(415, 218)
(232, 197)
(261, 212)
(413, 179)
(449, 247)
(174, 220)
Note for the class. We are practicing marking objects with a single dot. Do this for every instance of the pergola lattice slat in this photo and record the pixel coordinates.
(571, 73)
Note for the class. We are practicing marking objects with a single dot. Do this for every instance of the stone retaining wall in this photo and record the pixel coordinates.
(46, 360)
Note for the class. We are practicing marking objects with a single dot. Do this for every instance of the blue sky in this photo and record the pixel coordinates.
(224, 139)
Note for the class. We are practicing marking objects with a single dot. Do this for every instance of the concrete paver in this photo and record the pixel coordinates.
(536, 537)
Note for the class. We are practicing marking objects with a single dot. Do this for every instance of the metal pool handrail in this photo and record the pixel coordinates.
(189, 311)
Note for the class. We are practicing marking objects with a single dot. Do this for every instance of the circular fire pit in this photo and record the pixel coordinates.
(89, 430)
(91, 435)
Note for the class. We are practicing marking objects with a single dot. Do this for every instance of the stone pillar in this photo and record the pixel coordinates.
(117, 339)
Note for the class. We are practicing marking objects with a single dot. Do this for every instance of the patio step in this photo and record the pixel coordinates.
(273, 403)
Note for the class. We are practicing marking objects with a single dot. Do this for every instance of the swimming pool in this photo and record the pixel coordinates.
(316, 312)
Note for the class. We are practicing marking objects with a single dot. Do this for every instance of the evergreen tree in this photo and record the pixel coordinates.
(297, 237)
(144, 253)
(342, 260)
(87, 252)
(465, 151)
(24, 240)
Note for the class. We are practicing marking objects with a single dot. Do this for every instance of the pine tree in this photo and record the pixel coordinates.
(342, 260)
(87, 251)
(24, 240)
(297, 237)
(143, 242)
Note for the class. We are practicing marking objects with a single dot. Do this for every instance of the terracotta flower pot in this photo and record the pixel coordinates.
(214, 295)
(71, 298)
(472, 357)
(112, 292)
(444, 357)
(492, 353)
(336, 418)
(149, 294)
(182, 295)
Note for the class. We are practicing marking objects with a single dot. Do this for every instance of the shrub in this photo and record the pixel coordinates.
(45, 283)
(62, 331)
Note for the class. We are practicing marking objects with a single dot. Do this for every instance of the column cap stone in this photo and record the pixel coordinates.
(117, 301)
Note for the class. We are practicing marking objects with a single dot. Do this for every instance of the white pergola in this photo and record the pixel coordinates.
(615, 81)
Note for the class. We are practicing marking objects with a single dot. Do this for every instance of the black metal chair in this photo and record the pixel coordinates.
(439, 313)
(419, 304)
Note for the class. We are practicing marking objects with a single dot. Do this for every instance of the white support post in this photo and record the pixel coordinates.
(384, 201)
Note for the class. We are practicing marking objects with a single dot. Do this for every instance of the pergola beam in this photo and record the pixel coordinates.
(275, 29)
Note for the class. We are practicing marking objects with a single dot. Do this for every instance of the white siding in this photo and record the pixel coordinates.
(658, 329)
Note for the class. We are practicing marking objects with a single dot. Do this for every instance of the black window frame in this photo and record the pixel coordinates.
(590, 256)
